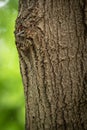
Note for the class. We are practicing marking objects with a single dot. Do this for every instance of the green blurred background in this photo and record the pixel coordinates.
(12, 109)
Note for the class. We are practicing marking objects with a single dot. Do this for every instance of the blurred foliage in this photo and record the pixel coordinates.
(11, 88)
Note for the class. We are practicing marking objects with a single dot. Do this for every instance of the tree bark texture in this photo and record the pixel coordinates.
(51, 42)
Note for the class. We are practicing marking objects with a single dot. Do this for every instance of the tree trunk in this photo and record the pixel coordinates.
(51, 42)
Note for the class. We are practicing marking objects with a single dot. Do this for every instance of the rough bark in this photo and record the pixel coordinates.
(52, 47)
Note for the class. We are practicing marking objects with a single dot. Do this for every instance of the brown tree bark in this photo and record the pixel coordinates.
(51, 42)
